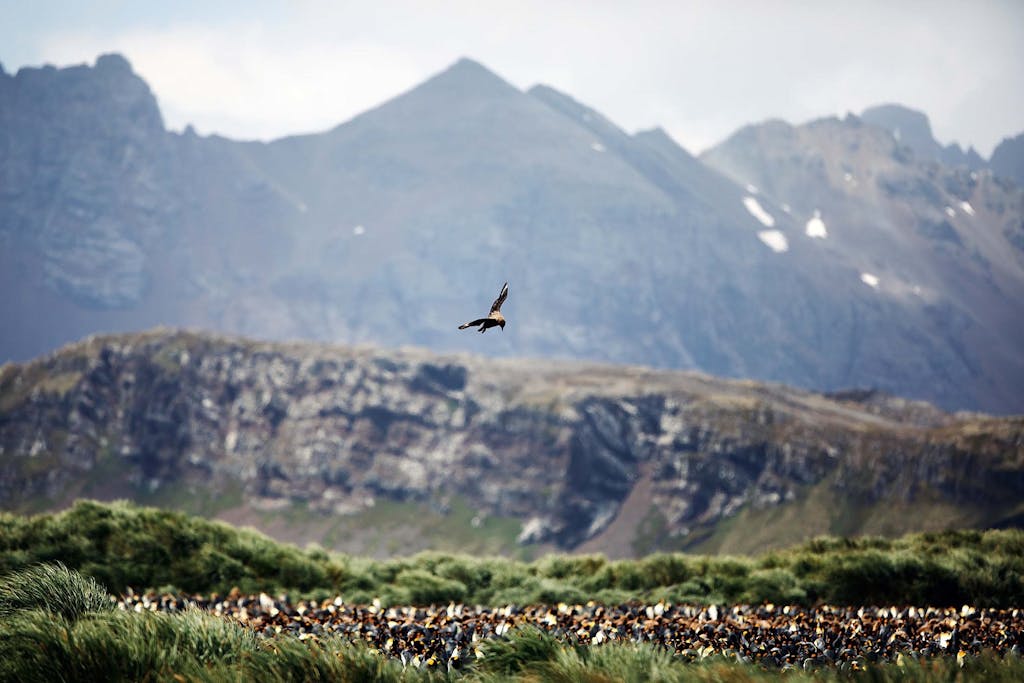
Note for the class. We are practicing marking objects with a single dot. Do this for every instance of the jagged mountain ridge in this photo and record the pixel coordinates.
(574, 456)
(913, 129)
(618, 247)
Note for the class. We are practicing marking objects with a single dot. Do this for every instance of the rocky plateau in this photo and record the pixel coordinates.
(358, 443)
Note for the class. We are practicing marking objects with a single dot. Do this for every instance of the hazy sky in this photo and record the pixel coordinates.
(263, 69)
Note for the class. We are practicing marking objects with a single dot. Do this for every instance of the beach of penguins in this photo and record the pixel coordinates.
(772, 636)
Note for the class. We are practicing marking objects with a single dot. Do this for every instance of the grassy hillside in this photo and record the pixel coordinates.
(121, 545)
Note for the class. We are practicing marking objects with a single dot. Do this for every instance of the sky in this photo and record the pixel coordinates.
(263, 69)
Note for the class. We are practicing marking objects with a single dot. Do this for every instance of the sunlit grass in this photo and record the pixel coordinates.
(122, 545)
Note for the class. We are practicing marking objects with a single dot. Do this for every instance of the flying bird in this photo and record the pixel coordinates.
(494, 318)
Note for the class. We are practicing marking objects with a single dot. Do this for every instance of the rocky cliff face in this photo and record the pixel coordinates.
(578, 456)
(97, 166)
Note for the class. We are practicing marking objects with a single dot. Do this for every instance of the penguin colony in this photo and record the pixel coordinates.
(769, 635)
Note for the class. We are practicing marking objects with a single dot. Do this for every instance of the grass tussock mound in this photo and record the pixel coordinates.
(121, 545)
(55, 589)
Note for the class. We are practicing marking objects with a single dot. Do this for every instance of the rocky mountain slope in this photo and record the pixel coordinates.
(388, 452)
(944, 245)
(393, 227)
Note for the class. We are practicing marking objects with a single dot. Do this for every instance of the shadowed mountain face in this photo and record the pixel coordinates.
(1008, 159)
(396, 225)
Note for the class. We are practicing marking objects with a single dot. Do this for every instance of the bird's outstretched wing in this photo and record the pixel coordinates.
(473, 323)
(496, 306)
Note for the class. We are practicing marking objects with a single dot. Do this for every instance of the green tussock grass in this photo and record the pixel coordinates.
(193, 646)
(53, 588)
(51, 641)
(121, 545)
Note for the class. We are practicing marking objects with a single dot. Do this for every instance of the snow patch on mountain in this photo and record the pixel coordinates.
(758, 212)
(816, 227)
(775, 240)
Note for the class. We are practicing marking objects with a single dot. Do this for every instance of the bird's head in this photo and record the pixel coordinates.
(502, 323)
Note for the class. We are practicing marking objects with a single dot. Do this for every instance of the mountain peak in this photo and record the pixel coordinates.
(912, 129)
(468, 64)
(467, 75)
(655, 134)
(1008, 159)
(464, 84)
(109, 93)
(660, 138)
(909, 126)
(113, 62)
